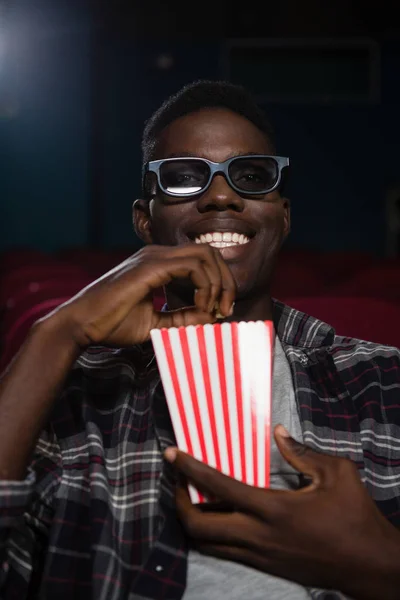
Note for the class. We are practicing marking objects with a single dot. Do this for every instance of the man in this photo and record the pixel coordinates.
(98, 512)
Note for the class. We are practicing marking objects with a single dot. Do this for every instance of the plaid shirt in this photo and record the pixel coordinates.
(95, 517)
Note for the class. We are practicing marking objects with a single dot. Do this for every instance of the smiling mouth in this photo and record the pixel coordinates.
(222, 239)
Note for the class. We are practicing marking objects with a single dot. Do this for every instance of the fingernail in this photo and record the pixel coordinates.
(170, 454)
(283, 432)
(231, 311)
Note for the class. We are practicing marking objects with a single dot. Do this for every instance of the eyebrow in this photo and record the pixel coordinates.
(191, 155)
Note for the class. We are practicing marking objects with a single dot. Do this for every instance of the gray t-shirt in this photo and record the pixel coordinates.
(211, 578)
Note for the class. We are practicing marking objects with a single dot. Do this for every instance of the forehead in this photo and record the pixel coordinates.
(213, 133)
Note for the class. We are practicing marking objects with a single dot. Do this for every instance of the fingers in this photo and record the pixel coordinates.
(246, 498)
(303, 458)
(223, 528)
(156, 266)
(183, 318)
(205, 278)
(227, 294)
(221, 286)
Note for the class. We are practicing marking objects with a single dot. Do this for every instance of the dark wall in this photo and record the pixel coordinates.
(133, 86)
(45, 128)
(70, 150)
(343, 157)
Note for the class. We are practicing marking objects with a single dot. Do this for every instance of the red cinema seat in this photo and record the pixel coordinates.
(96, 262)
(381, 281)
(28, 302)
(370, 319)
(296, 279)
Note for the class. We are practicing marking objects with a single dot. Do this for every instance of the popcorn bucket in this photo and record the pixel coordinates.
(218, 385)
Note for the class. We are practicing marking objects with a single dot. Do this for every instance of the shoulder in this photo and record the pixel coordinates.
(367, 368)
(351, 351)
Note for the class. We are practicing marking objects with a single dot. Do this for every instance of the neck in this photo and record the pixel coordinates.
(257, 307)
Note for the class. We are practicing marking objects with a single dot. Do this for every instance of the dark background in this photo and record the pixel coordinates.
(78, 79)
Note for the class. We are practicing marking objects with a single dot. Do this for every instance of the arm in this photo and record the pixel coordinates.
(117, 310)
(28, 389)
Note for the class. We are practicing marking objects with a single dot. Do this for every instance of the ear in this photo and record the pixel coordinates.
(286, 217)
(142, 220)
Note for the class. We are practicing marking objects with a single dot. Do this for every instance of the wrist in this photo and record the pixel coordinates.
(58, 328)
(64, 324)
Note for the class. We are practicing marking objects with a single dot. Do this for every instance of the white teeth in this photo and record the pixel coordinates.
(224, 239)
(221, 244)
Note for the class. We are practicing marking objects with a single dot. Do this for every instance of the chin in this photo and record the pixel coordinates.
(246, 290)
(251, 286)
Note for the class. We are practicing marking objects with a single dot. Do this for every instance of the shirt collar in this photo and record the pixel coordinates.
(295, 328)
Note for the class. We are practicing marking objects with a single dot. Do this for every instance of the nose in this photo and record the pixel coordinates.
(220, 196)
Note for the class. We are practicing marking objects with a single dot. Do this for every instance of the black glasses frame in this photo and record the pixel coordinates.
(154, 166)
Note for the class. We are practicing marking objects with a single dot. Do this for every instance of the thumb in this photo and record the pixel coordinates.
(301, 457)
(183, 317)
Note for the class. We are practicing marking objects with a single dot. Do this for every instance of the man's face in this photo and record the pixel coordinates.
(218, 134)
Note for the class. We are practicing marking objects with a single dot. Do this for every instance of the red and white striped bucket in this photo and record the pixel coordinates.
(218, 385)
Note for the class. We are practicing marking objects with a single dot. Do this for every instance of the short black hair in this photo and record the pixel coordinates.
(203, 94)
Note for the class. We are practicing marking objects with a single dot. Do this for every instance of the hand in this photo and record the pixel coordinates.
(117, 309)
(329, 534)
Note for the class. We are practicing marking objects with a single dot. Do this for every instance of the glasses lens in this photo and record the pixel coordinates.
(184, 176)
(255, 175)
